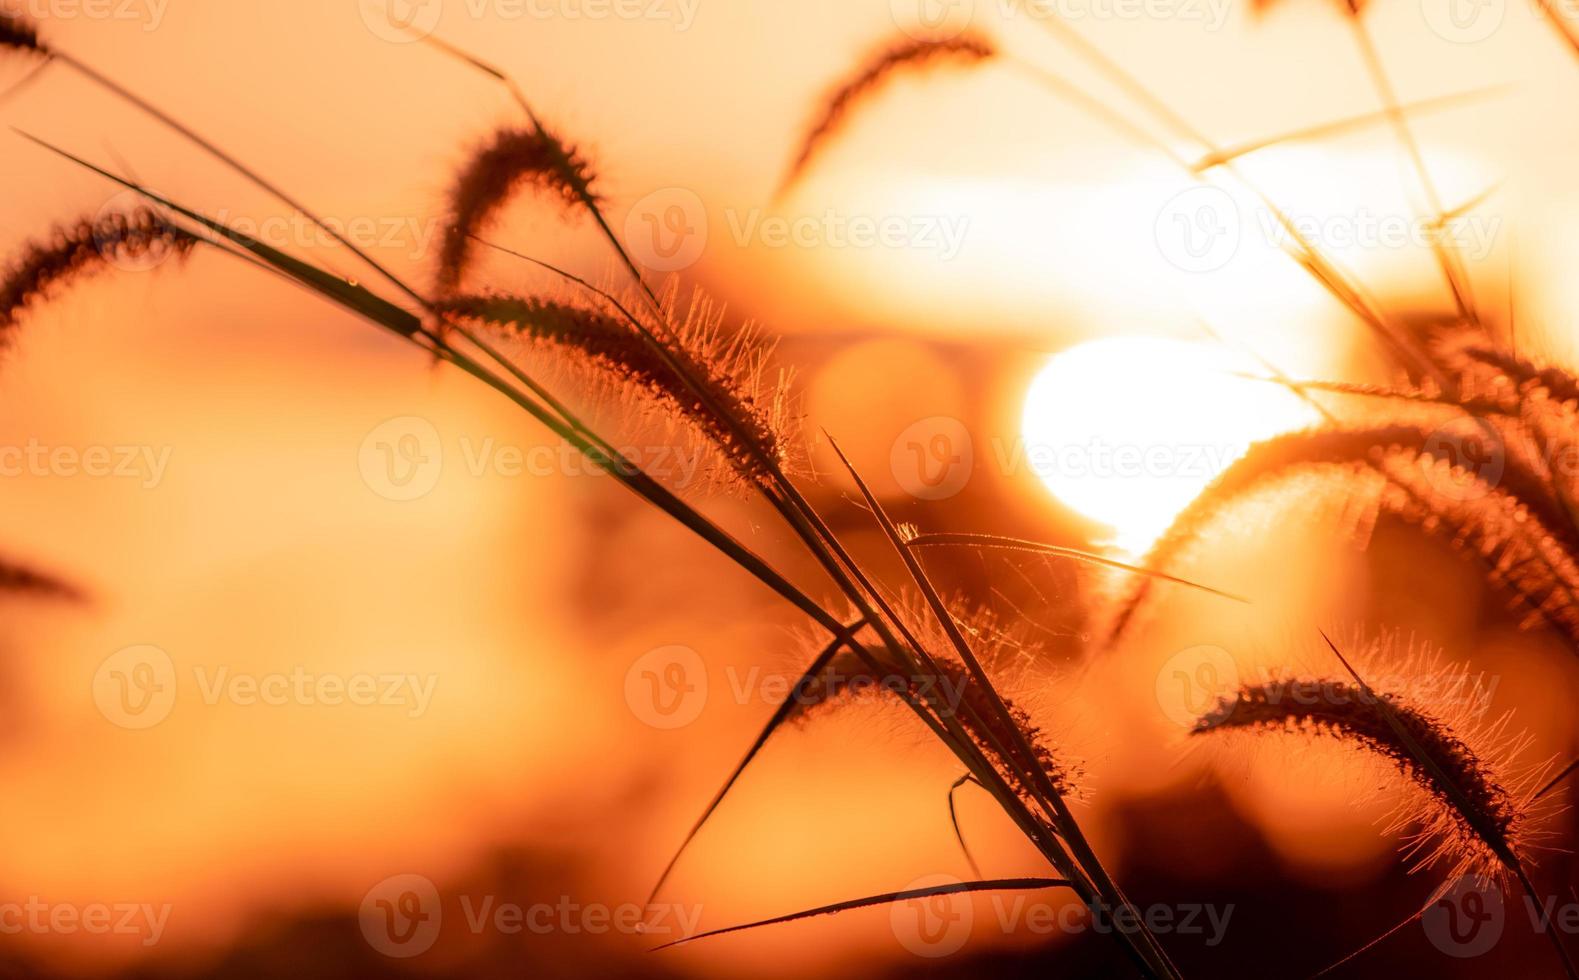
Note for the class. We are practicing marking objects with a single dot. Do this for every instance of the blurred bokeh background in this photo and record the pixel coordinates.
(252, 535)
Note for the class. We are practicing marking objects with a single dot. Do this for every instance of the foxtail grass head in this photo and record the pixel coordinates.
(510, 160)
(744, 418)
(906, 55)
(89, 246)
(19, 34)
(1469, 803)
(1005, 649)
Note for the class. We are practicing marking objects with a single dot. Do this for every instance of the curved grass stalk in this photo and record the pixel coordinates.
(1448, 259)
(1338, 127)
(1460, 798)
(887, 898)
(998, 542)
(1039, 787)
(910, 54)
(1301, 249)
(1489, 520)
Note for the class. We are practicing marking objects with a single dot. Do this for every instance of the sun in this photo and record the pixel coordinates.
(1129, 430)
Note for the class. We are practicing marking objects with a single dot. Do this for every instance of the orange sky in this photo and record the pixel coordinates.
(261, 547)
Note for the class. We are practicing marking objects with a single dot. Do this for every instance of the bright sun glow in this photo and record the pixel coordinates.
(1129, 430)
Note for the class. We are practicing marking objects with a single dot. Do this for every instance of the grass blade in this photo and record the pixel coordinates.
(780, 716)
(887, 898)
(994, 541)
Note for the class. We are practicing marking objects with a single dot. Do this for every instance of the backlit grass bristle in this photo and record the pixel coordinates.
(18, 33)
(1406, 470)
(909, 54)
(510, 160)
(1492, 367)
(731, 367)
(1003, 648)
(1472, 760)
(84, 248)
